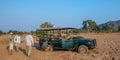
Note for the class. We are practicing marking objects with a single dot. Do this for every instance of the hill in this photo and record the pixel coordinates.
(114, 24)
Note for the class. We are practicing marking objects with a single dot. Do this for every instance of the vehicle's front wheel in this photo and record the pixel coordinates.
(49, 48)
(82, 49)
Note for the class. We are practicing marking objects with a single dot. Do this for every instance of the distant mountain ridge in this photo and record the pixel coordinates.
(114, 24)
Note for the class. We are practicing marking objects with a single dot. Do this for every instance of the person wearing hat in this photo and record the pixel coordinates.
(10, 40)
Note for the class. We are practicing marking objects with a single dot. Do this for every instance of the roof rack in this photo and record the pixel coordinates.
(55, 28)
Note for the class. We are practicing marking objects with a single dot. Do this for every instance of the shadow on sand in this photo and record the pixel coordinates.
(23, 51)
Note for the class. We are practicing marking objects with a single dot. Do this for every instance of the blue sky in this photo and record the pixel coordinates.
(27, 15)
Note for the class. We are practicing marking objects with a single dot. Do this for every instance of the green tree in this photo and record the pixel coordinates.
(118, 28)
(107, 28)
(46, 25)
(76, 30)
(16, 31)
(84, 24)
(90, 25)
(1, 32)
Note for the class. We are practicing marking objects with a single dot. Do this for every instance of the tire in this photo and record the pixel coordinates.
(82, 49)
(49, 48)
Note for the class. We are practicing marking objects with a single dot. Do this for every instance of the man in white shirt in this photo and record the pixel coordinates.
(17, 41)
(29, 42)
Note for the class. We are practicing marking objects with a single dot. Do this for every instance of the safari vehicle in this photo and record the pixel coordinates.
(77, 43)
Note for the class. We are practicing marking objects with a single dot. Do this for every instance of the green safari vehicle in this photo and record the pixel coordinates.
(77, 43)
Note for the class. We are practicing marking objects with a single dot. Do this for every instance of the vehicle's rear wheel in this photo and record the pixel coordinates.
(82, 49)
(49, 48)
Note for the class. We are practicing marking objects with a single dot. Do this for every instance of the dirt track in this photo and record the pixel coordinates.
(108, 48)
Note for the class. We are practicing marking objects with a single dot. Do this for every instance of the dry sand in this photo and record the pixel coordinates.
(108, 48)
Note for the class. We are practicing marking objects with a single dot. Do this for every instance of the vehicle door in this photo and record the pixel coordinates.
(66, 44)
(57, 43)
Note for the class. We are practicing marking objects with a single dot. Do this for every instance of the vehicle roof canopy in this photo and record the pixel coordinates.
(55, 28)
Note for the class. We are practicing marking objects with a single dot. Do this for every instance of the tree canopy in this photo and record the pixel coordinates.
(1, 32)
(90, 25)
(107, 28)
(46, 25)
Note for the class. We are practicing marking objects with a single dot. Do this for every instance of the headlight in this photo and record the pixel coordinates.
(89, 42)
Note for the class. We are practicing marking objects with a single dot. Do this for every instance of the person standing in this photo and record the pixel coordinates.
(29, 42)
(17, 42)
(10, 41)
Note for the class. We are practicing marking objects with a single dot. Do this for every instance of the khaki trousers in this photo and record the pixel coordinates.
(28, 50)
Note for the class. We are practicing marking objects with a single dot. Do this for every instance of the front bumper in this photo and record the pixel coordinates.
(93, 44)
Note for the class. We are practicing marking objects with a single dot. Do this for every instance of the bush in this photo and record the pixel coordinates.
(1, 32)
(16, 32)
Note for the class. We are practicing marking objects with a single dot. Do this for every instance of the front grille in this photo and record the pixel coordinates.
(94, 42)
